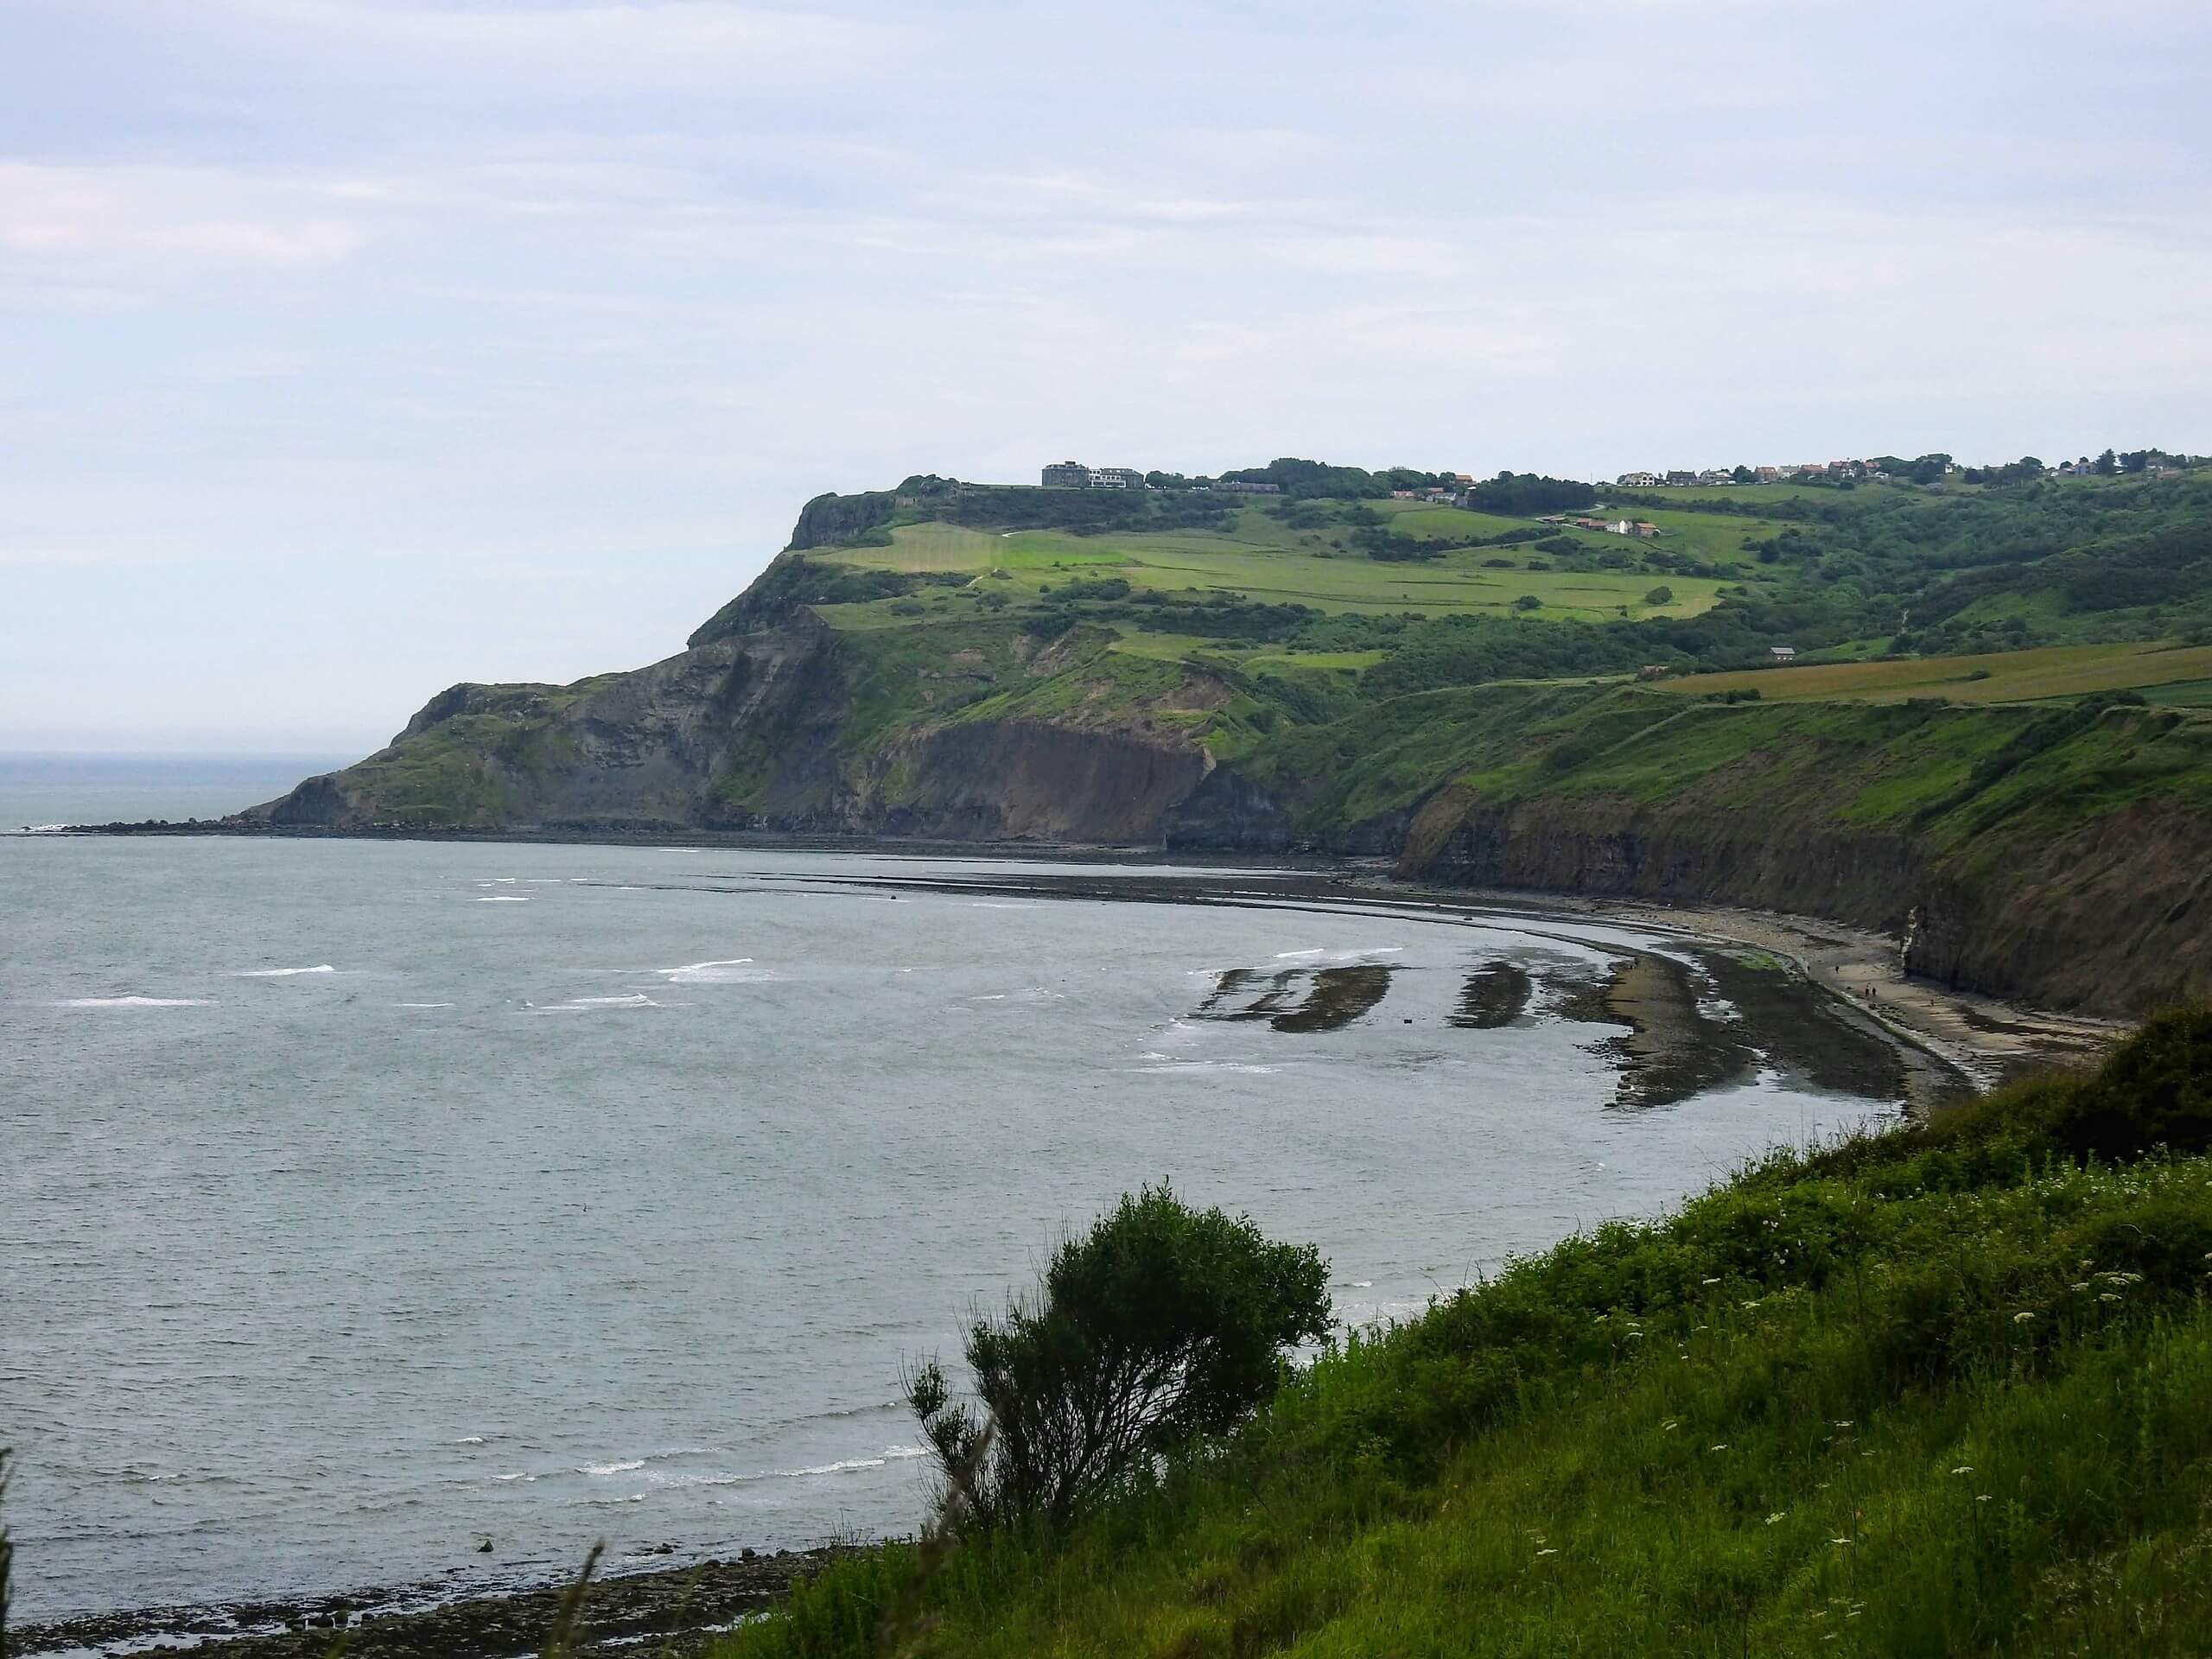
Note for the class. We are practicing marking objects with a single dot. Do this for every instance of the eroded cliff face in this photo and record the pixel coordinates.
(753, 731)
(624, 751)
(2109, 921)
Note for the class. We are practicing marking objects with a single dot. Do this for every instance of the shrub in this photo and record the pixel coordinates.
(1528, 602)
(1662, 594)
(1162, 1325)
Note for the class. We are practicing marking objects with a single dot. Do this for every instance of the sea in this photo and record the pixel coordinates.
(365, 1201)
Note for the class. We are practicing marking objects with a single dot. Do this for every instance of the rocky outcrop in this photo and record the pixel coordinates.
(832, 518)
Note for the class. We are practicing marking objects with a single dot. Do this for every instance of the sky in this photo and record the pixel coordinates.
(351, 348)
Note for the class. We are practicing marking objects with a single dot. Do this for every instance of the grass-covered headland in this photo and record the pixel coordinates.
(1947, 1389)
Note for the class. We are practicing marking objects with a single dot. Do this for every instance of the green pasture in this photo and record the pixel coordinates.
(1268, 564)
(2001, 677)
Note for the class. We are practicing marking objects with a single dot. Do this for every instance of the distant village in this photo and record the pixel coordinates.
(1926, 470)
(1456, 488)
(1074, 475)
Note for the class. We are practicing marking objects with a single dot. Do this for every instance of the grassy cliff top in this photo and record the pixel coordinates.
(1910, 585)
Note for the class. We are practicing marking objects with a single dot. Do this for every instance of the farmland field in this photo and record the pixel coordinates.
(1264, 560)
(2008, 676)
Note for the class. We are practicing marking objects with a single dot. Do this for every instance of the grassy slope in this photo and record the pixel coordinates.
(1943, 1391)
(1997, 677)
(1942, 773)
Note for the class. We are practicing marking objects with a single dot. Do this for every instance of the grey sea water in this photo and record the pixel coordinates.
(363, 1200)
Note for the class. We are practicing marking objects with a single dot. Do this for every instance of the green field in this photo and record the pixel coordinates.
(2004, 676)
(1264, 560)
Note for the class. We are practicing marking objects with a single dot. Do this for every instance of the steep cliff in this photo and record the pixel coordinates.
(2071, 870)
(788, 725)
(985, 664)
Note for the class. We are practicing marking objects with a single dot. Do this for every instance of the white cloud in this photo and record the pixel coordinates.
(121, 217)
(689, 41)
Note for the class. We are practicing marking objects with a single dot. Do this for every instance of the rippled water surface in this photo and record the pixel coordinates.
(362, 1201)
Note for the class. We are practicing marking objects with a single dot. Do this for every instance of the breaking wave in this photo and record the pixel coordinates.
(135, 1002)
(732, 970)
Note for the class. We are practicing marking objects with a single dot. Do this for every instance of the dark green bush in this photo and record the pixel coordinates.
(1160, 1325)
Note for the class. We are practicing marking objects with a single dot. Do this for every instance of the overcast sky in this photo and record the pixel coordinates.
(349, 348)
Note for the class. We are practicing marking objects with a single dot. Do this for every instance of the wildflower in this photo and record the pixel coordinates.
(1843, 1422)
(1846, 1543)
(2081, 1284)
(1723, 1446)
(1671, 1423)
(2022, 1317)
(1981, 1498)
(1963, 1469)
(2208, 1256)
(2107, 1297)
(1776, 1517)
(1541, 1553)
(1750, 1305)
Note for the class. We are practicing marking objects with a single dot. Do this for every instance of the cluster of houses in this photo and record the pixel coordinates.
(1713, 475)
(1453, 493)
(1074, 475)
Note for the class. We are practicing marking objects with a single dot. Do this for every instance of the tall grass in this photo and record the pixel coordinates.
(1937, 1392)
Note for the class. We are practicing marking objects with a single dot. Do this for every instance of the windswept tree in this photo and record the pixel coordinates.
(1162, 1325)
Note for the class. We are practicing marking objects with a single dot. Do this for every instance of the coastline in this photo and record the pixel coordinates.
(680, 1608)
(1983, 1038)
(1954, 1034)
